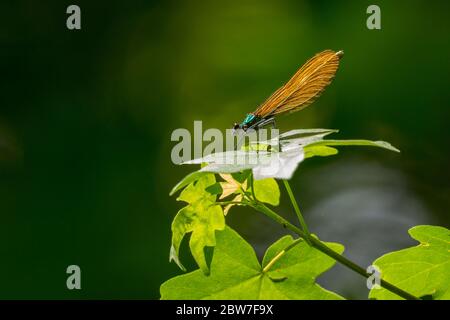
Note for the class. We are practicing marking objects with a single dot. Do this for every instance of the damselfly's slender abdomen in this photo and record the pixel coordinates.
(300, 91)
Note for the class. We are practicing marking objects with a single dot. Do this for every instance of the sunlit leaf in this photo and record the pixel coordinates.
(227, 208)
(358, 142)
(281, 161)
(423, 270)
(230, 185)
(193, 176)
(320, 151)
(201, 217)
(282, 165)
(196, 190)
(303, 133)
(267, 190)
(237, 274)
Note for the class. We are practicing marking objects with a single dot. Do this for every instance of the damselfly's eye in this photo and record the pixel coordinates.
(244, 127)
(236, 126)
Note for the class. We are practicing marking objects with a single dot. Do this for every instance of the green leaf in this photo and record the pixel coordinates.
(316, 132)
(193, 176)
(321, 151)
(267, 190)
(264, 162)
(196, 190)
(241, 176)
(358, 142)
(256, 147)
(423, 270)
(214, 188)
(201, 217)
(237, 274)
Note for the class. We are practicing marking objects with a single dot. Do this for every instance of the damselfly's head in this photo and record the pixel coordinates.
(239, 126)
(247, 123)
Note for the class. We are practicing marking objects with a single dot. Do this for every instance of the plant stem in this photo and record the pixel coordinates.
(224, 203)
(252, 188)
(297, 211)
(319, 245)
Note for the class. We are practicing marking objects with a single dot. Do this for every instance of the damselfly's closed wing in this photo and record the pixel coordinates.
(304, 87)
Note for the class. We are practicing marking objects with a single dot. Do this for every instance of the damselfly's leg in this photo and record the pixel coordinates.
(266, 122)
(270, 121)
(274, 126)
(241, 136)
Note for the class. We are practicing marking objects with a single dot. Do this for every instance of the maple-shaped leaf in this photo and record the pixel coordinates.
(236, 272)
(201, 217)
(231, 186)
(423, 270)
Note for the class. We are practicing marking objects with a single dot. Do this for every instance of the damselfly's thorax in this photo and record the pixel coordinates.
(249, 122)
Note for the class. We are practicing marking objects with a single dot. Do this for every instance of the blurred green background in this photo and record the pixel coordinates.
(86, 118)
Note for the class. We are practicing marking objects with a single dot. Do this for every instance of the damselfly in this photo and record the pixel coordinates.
(300, 91)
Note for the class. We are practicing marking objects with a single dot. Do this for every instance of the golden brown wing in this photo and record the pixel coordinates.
(304, 87)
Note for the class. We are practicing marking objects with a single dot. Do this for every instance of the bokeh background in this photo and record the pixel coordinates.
(86, 118)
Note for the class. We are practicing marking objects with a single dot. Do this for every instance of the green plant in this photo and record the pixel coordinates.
(290, 266)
